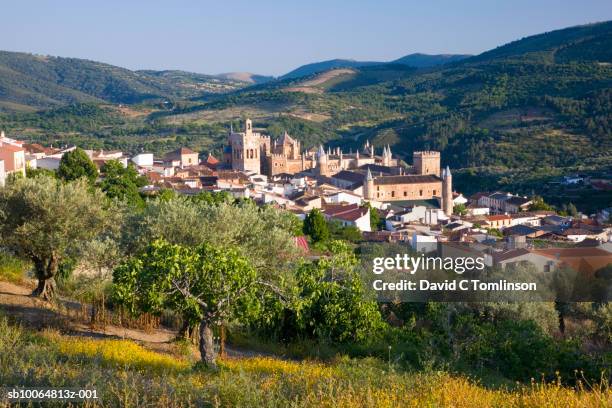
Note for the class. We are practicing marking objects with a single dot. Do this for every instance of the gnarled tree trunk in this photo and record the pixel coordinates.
(45, 289)
(187, 332)
(45, 270)
(207, 345)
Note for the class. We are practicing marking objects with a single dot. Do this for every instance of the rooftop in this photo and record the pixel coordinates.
(407, 179)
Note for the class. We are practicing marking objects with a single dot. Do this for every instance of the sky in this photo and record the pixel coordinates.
(274, 37)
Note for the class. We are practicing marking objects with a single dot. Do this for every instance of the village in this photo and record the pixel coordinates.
(416, 205)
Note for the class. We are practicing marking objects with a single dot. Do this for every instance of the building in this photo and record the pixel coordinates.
(183, 157)
(143, 160)
(498, 221)
(500, 202)
(349, 215)
(409, 187)
(251, 151)
(100, 157)
(13, 157)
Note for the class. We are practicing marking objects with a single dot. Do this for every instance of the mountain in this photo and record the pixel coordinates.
(29, 81)
(316, 67)
(516, 115)
(418, 60)
(411, 60)
(245, 77)
(510, 118)
(589, 42)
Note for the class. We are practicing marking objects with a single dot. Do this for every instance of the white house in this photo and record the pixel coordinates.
(343, 197)
(424, 243)
(143, 160)
(459, 199)
(525, 219)
(474, 209)
(49, 163)
(349, 215)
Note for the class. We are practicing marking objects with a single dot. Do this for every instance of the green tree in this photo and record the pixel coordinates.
(572, 211)
(331, 303)
(77, 164)
(31, 173)
(538, 204)
(122, 183)
(206, 284)
(315, 226)
(459, 209)
(213, 198)
(346, 233)
(47, 222)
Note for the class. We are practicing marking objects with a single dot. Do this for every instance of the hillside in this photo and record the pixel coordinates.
(134, 367)
(247, 77)
(30, 82)
(412, 60)
(419, 60)
(514, 117)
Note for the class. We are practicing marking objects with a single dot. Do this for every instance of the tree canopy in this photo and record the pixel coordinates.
(315, 226)
(206, 284)
(46, 221)
(77, 164)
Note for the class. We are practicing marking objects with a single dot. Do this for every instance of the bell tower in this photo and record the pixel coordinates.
(246, 149)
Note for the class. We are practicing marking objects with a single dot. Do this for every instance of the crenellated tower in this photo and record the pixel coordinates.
(426, 162)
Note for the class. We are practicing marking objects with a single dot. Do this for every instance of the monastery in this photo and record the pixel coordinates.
(380, 177)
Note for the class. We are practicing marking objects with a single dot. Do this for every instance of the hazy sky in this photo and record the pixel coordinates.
(273, 37)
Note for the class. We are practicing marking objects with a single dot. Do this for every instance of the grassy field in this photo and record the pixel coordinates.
(125, 373)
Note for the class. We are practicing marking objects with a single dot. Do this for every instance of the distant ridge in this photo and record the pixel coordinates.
(247, 77)
(416, 60)
(419, 60)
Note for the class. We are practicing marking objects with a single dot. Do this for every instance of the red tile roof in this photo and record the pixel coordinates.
(498, 217)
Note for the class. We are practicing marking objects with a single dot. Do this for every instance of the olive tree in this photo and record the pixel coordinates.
(264, 235)
(47, 221)
(204, 283)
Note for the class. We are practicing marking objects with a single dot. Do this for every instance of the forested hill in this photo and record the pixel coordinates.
(30, 81)
(530, 101)
(534, 108)
(416, 60)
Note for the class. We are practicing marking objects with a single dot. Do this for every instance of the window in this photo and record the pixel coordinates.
(405, 193)
(421, 193)
(434, 192)
(392, 193)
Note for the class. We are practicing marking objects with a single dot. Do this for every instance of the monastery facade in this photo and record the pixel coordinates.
(253, 152)
(250, 151)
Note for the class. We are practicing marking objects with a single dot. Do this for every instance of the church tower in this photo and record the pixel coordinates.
(426, 162)
(447, 192)
(246, 149)
(322, 163)
(368, 186)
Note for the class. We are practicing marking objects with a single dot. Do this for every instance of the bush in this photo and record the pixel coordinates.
(12, 269)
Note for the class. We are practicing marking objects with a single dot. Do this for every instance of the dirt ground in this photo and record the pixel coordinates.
(67, 316)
